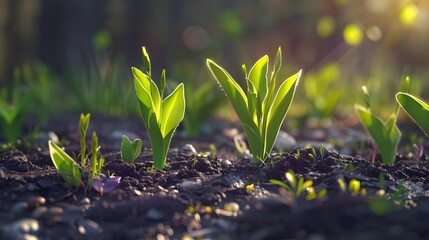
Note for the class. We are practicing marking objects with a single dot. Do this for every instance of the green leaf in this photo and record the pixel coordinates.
(258, 76)
(163, 82)
(65, 165)
(146, 62)
(84, 123)
(281, 184)
(126, 149)
(416, 109)
(232, 90)
(278, 110)
(130, 150)
(387, 141)
(172, 110)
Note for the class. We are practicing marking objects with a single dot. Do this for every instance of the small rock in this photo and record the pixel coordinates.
(55, 211)
(19, 207)
(34, 202)
(22, 228)
(225, 163)
(190, 185)
(284, 142)
(88, 227)
(189, 149)
(154, 214)
(39, 212)
(85, 201)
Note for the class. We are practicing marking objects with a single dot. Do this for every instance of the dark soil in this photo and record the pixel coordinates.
(187, 200)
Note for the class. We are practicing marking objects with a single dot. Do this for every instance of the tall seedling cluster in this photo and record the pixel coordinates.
(160, 116)
(261, 110)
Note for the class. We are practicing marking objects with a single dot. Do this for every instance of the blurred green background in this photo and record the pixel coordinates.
(81, 51)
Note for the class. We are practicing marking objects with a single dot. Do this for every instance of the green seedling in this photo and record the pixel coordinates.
(130, 150)
(71, 171)
(65, 165)
(317, 84)
(385, 134)
(354, 187)
(96, 161)
(298, 186)
(416, 109)
(262, 110)
(160, 116)
(201, 102)
(83, 127)
(13, 106)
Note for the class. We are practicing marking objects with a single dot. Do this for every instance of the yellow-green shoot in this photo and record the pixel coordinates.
(385, 134)
(416, 108)
(130, 150)
(160, 116)
(83, 127)
(262, 110)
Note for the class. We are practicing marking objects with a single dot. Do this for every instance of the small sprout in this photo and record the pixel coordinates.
(213, 150)
(130, 150)
(322, 152)
(297, 155)
(260, 107)
(83, 127)
(298, 186)
(341, 184)
(250, 187)
(161, 116)
(65, 165)
(354, 187)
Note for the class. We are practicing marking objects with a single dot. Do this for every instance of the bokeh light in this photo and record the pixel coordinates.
(326, 26)
(409, 14)
(353, 34)
(374, 33)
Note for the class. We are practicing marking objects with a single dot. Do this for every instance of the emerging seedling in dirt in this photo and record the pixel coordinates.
(13, 106)
(72, 172)
(83, 127)
(354, 187)
(297, 187)
(160, 116)
(416, 109)
(130, 150)
(385, 134)
(261, 110)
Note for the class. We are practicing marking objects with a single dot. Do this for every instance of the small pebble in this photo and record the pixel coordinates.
(55, 211)
(190, 185)
(34, 202)
(88, 227)
(285, 142)
(188, 148)
(154, 214)
(225, 163)
(19, 228)
(85, 201)
(19, 207)
(39, 212)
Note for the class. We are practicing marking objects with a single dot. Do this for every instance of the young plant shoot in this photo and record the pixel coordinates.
(130, 150)
(262, 110)
(83, 127)
(65, 165)
(160, 116)
(416, 109)
(385, 134)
